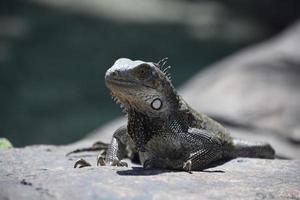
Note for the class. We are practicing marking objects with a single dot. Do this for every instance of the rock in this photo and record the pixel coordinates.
(44, 172)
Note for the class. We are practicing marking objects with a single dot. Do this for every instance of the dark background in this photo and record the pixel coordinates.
(53, 58)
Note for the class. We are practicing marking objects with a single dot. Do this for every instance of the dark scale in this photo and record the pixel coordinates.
(141, 128)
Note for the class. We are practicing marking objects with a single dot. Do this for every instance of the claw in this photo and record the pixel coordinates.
(101, 161)
(187, 166)
(81, 163)
(122, 164)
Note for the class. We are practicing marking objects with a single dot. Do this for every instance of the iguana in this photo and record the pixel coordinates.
(162, 129)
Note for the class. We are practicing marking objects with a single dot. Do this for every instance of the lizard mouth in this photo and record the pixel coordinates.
(124, 83)
(120, 83)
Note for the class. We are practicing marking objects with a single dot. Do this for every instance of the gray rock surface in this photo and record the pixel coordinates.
(43, 172)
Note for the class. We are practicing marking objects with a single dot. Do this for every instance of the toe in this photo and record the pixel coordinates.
(101, 161)
(81, 163)
(122, 164)
(187, 166)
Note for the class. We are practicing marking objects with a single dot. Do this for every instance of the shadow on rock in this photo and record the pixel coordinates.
(140, 171)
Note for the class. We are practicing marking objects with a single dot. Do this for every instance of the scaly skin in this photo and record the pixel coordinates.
(164, 131)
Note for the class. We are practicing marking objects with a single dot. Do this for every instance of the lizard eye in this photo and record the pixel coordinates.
(143, 71)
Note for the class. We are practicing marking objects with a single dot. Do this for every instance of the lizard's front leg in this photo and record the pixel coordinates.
(120, 146)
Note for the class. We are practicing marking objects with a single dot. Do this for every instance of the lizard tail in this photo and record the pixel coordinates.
(242, 148)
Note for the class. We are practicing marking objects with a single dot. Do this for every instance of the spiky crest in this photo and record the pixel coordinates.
(165, 69)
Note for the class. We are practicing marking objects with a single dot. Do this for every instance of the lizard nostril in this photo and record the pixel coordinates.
(114, 74)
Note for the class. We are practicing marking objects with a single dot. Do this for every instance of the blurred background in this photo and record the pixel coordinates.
(54, 53)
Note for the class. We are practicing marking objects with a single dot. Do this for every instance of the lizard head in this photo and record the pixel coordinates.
(143, 86)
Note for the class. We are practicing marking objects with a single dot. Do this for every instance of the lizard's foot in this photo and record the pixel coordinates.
(121, 164)
(187, 166)
(101, 161)
(81, 163)
(97, 146)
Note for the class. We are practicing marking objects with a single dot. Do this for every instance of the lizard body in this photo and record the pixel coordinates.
(164, 131)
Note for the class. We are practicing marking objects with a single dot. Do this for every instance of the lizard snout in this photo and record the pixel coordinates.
(111, 74)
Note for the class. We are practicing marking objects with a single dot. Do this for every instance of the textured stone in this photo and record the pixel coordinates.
(43, 172)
